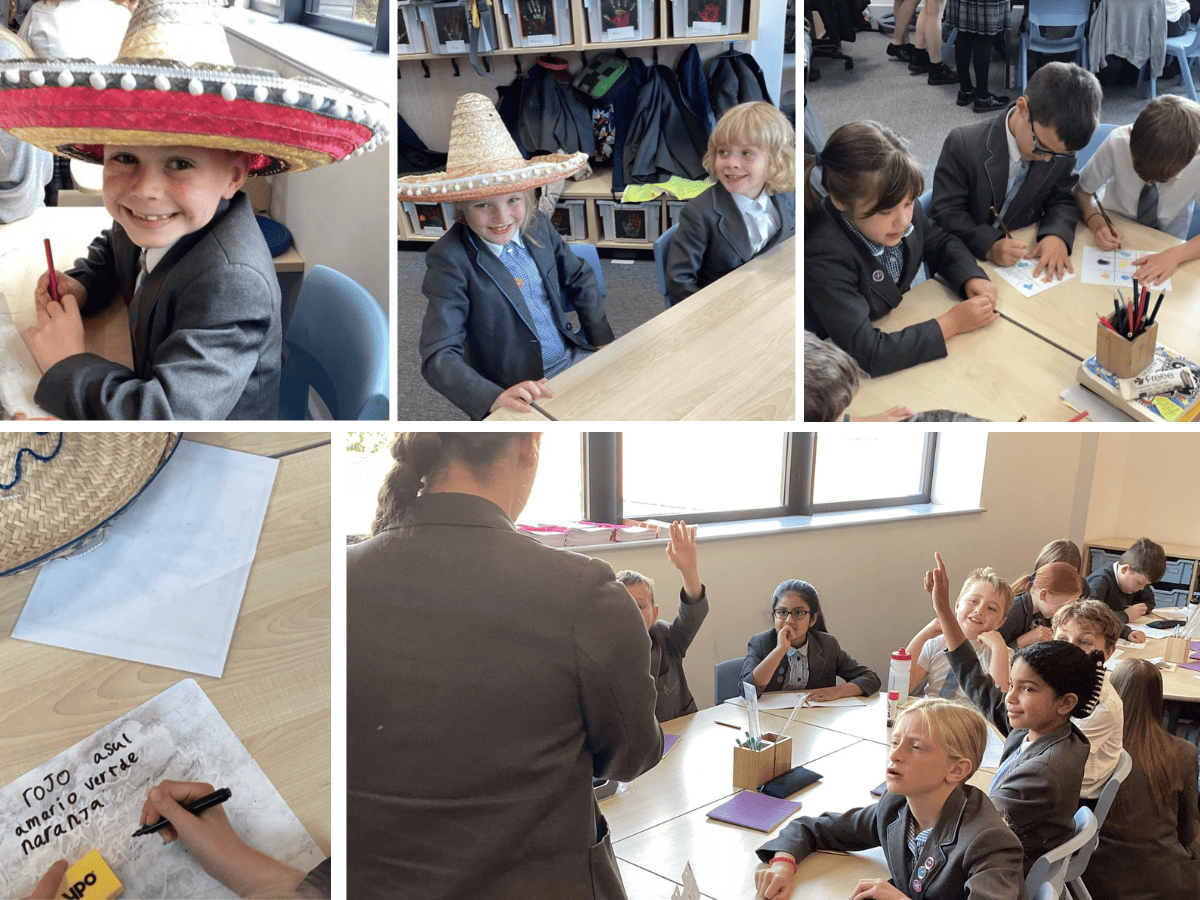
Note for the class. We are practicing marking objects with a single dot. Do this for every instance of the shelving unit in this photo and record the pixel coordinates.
(599, 185)
(1177, 587)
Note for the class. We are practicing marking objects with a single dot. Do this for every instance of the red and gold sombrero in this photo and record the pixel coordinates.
(175, 83)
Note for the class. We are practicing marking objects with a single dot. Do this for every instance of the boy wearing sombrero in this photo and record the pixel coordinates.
(178, 129)
(500, 280)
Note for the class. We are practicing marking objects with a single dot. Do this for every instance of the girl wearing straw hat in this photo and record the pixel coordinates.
(178, 129)
(500, 280)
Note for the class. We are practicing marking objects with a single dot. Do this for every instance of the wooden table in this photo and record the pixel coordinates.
(728, 352)
(1181, 684)
(275, 693)
(71, 229)
(1000, 372)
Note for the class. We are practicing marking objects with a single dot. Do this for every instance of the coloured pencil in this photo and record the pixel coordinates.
(1000, 222)
(53, 277)
(1157, 304)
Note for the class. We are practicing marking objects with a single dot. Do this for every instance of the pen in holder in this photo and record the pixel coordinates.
(1122, 356)
(754, 767)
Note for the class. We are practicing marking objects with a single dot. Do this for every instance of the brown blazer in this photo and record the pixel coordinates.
(489, 679)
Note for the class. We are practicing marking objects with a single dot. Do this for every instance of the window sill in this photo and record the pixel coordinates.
(314, 52)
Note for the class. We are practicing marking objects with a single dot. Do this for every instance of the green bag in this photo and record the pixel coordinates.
(600, 74)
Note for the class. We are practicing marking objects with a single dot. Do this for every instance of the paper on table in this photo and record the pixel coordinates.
(788, 699)
(1097, 408)
(995, 747)
(165, 584)
(1114, 268)
(1152, 634)
(690, 890)
(19, 374)
(1021, 277)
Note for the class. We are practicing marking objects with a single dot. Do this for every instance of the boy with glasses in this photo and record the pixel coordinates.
(1148, 172)
(995, 177)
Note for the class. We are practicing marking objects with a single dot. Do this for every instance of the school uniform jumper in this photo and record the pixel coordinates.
(969, 853)
(1023, 617)
(490, 679)
(668, 645)
(205, 325)
(972, 176)
(1147, 852)
(1040, 792)
(826, 662)
(712, 240)
(846, 289)
(1103, 585)
(478, 338)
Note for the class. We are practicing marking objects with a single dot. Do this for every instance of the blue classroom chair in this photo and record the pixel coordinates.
(661, 246)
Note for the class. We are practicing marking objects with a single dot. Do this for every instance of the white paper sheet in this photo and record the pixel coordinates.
(165, 584)
(787, 700)
(19, 374)
(90, 797)
(1021, 277)
(1115, 269)
(995, 747)
(1097, 408)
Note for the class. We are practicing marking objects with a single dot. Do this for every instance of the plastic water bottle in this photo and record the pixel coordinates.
(898, 683)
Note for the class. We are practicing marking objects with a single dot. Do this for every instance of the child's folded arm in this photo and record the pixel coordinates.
(845, 831)
(993, 861)
(1061, 210)
(951, 204)
(948, 257)
(685, 255)
(979, 686)
(97, 272)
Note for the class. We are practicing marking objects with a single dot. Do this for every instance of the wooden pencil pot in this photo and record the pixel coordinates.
(754, 767)
(1177, 650)
(1122, 357)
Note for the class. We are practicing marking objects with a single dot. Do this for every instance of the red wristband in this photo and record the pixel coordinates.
(791, 862)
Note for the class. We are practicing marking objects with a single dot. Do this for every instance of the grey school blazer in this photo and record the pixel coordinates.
(489, 679)
(970, 852)
(668, 646)
(712, 240)
(1040, 793)
(826, 661)
(206, 332)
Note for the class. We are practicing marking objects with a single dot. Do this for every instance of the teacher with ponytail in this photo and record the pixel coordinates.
(489, 679)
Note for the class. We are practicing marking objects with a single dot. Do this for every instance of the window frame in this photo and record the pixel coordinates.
(603, 483)
(376, 36)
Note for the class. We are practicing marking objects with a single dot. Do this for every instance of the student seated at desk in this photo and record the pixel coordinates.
(184, 251)
(751, 208)
(1037, 785)
(1018, 169)
(669, 643)
(799, 654)
(1125, 585)
(1147, 846)
(943, 839)
(982, 603)
(221, 852)
(864, 245)
(1036, 598)
(500, 281)
(1090, 625)
(1149, 172)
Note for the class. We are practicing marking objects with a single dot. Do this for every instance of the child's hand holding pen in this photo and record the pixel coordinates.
(1007, 251)
(66, 285)
(58, 333)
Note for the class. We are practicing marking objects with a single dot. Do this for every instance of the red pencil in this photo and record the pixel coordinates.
(1107, 324)
(53, 278)
(1082, 415)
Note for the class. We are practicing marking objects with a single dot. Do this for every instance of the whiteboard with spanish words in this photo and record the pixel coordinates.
(90, 797)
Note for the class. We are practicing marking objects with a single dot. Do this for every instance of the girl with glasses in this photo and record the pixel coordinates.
(800, 655)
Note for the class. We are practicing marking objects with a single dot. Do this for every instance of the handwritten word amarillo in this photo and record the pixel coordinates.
(64, 803)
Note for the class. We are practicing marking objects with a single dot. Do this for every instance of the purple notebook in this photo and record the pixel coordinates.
(669, 741)
(751, 809)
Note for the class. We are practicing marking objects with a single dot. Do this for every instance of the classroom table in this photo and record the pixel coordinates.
(70, 230)
(1179, 684)
(728, 352)
(275, 691)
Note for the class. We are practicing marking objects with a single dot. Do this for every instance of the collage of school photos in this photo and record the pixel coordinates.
(584, 614)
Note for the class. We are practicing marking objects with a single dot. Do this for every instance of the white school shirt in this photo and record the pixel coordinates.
(935, 662)
(1110, 172)
(762, 221)
(1103, 730)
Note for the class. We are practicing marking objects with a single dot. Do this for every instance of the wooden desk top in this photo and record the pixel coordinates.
(726, 353)
(1181, 684)
(1000, 372)
(1066, 315)
(275, 693)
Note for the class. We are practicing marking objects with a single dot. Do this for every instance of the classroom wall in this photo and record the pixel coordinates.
(338, 215)
(1036, 488)
(1128, 501)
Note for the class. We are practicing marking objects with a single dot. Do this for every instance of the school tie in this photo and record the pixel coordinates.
(1001, 772)
(555, 355)
(949, 686)
(1147, 211)
(1022, 171)
(135, 302)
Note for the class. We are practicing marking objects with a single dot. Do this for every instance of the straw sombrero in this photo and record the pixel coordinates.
(175, 83)
(483, 160)
(58, 489)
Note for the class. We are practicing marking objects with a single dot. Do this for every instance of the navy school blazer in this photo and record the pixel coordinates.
(478, 337)
(969, 853)
(972, 175)
(1040, 793)
(846, 289)
(826, 661)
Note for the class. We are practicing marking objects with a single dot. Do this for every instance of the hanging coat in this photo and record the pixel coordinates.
(694, 86)
(414, 157)
(553, 116)
(665, 138)
(734, 77)
(622, 97)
